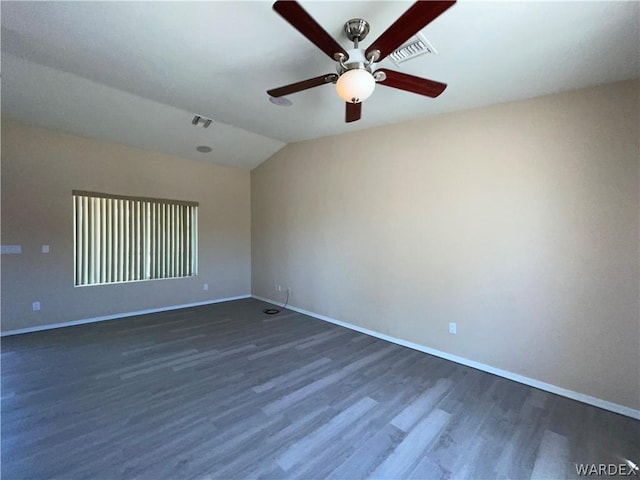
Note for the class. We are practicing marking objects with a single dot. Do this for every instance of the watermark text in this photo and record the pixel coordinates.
(608, 469)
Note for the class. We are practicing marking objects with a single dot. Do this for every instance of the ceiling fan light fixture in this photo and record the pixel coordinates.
(355, 86)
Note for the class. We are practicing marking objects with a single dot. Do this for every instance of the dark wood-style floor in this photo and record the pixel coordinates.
(225, 391)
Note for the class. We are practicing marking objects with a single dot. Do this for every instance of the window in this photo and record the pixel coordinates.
(124, 239)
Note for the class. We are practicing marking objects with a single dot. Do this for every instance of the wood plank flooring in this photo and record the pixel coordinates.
(225, 391)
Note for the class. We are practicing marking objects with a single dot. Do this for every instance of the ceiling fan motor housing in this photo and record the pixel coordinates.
(355, 60)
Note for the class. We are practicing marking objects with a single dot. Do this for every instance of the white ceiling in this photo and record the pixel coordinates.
(136, 72)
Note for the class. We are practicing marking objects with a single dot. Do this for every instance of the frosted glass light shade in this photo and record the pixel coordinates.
(355, 86)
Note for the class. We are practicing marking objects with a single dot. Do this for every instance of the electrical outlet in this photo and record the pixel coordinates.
(453, 327)
(205, 286)
(279, 288)
(35, 306)
(45, 248)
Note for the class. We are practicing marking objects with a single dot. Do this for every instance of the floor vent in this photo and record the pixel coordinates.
(416, 46)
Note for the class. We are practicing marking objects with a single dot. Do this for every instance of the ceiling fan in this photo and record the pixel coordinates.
(357, 76)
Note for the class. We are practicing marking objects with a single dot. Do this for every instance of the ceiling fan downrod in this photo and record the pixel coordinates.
(356, 30)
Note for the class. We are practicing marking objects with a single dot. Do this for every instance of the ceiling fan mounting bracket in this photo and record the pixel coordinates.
(356, 30)
(373, 56)
(379, 76)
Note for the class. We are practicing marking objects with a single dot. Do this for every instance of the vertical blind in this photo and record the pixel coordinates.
(123, 239)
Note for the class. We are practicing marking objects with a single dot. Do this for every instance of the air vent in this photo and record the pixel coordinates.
(416, 46)
(200, 121)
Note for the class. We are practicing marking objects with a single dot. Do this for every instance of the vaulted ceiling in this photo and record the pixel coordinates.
(137, 72)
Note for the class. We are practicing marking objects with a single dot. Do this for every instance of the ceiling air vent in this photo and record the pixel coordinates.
(416, 46)
(200, 121)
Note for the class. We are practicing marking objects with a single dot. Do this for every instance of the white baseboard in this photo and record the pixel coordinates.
(117, 316)
(532, 382)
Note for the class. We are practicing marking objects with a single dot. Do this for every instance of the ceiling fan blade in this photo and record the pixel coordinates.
(297, 16)
(303, 85)
(353, 112)
(421, 86)
(411, 22)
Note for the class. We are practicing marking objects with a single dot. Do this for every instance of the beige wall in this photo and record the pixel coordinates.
(520, 222)
(41, 167)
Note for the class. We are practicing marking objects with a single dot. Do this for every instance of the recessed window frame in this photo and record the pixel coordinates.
(121, 239)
